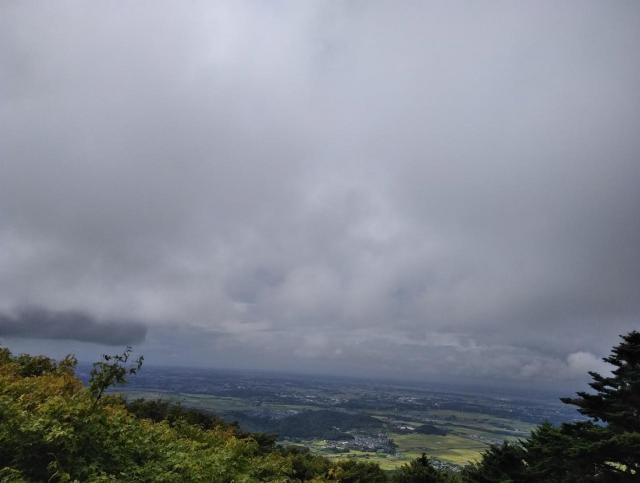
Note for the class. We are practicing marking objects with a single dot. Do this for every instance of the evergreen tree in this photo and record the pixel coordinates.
(615, 447)
(617, 398)
(605, 449)
(501, 463)
(421, 470)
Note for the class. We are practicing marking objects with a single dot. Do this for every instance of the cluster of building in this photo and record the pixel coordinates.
(380, 443)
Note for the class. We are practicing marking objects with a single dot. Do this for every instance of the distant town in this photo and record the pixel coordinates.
(383, 422)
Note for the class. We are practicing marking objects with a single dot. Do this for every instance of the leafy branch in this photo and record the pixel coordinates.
(113, 369)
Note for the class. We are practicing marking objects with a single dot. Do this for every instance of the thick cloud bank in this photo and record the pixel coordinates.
(424, 189)
(35, 322)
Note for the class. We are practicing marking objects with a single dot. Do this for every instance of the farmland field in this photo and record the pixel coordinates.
(389, 424)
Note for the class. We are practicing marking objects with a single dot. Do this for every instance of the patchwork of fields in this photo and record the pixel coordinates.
(388, 424)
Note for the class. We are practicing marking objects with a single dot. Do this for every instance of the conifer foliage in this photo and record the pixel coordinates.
(420, 470)
(616, 401)
(604, 449)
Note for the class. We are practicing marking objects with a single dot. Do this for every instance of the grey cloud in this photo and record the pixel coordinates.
(40, 323)
(294, 176)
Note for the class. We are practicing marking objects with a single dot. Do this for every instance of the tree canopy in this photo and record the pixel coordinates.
(52, 428)
(605, 448)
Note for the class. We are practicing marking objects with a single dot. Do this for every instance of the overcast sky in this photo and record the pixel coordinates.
(427, 190)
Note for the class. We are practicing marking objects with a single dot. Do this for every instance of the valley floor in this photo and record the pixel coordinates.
(389, 425)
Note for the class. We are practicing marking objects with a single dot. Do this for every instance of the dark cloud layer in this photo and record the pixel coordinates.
(428, 190)
(40, 323)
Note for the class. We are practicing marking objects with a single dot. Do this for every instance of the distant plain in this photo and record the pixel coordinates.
(384, 423)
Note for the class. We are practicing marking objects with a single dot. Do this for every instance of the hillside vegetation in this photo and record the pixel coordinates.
(52, 428)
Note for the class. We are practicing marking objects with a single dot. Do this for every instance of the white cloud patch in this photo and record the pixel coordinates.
(581, 362)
